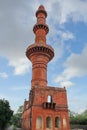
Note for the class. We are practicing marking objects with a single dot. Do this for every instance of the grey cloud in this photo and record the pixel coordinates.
(17, 18)
(16, 22)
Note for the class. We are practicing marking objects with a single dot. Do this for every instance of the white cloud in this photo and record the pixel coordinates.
(65, 10)
(67, 36)
(22, 66)
(76, 10)
(75, 66)
(3, 75)
(58, 42)
(16, 24)
(66, 84)
(16, 33)
(76, 98)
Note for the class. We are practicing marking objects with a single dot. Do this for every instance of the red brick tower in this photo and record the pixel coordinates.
(47, 106)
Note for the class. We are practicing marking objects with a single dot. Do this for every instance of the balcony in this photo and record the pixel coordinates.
(47, 105)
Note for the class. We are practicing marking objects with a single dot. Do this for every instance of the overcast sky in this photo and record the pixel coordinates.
(67, 21)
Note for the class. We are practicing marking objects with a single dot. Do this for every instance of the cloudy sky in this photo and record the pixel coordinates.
(67, 20)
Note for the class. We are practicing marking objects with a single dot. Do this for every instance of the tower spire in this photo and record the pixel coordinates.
(40, 53)
(41, 28)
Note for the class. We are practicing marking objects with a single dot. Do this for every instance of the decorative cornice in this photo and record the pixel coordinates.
(46, 50)
(41, 26)
(49, 88)
(41, 11)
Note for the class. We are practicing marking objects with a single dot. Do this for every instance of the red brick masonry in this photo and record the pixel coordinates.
(47, 107)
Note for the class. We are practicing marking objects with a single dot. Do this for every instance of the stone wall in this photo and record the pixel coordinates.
(78, 127)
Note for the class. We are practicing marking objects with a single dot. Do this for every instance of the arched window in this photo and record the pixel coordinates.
(64, 122)
(49, 122)
(39, 122)
(57, 122)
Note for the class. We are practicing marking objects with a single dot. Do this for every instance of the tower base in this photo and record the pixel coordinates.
(46, 109)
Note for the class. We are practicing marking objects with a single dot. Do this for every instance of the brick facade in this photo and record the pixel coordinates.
(47, 106)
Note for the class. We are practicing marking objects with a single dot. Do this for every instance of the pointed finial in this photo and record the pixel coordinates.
(41, 7)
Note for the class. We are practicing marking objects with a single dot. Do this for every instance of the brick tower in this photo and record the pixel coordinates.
(46, 108)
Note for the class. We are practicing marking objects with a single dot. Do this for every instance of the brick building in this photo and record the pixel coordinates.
(47, 107)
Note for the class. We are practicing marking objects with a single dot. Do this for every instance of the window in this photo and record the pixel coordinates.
(57, 122)
(49, 122)
(39, 122)
(49, 99)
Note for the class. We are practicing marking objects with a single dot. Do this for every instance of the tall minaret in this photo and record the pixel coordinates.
(40, 53)
(47, 107)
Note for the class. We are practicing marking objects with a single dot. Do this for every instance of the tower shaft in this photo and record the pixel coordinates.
(40, 53)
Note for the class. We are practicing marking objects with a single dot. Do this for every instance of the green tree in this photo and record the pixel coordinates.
(20, 109)
(78, 119)
(5, 113)
(16, 119)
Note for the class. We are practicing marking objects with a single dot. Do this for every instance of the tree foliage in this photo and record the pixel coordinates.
(16, 119)
(79, 119)
(5, 113)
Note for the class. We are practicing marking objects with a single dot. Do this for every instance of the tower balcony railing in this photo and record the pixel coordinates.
(47, 105)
